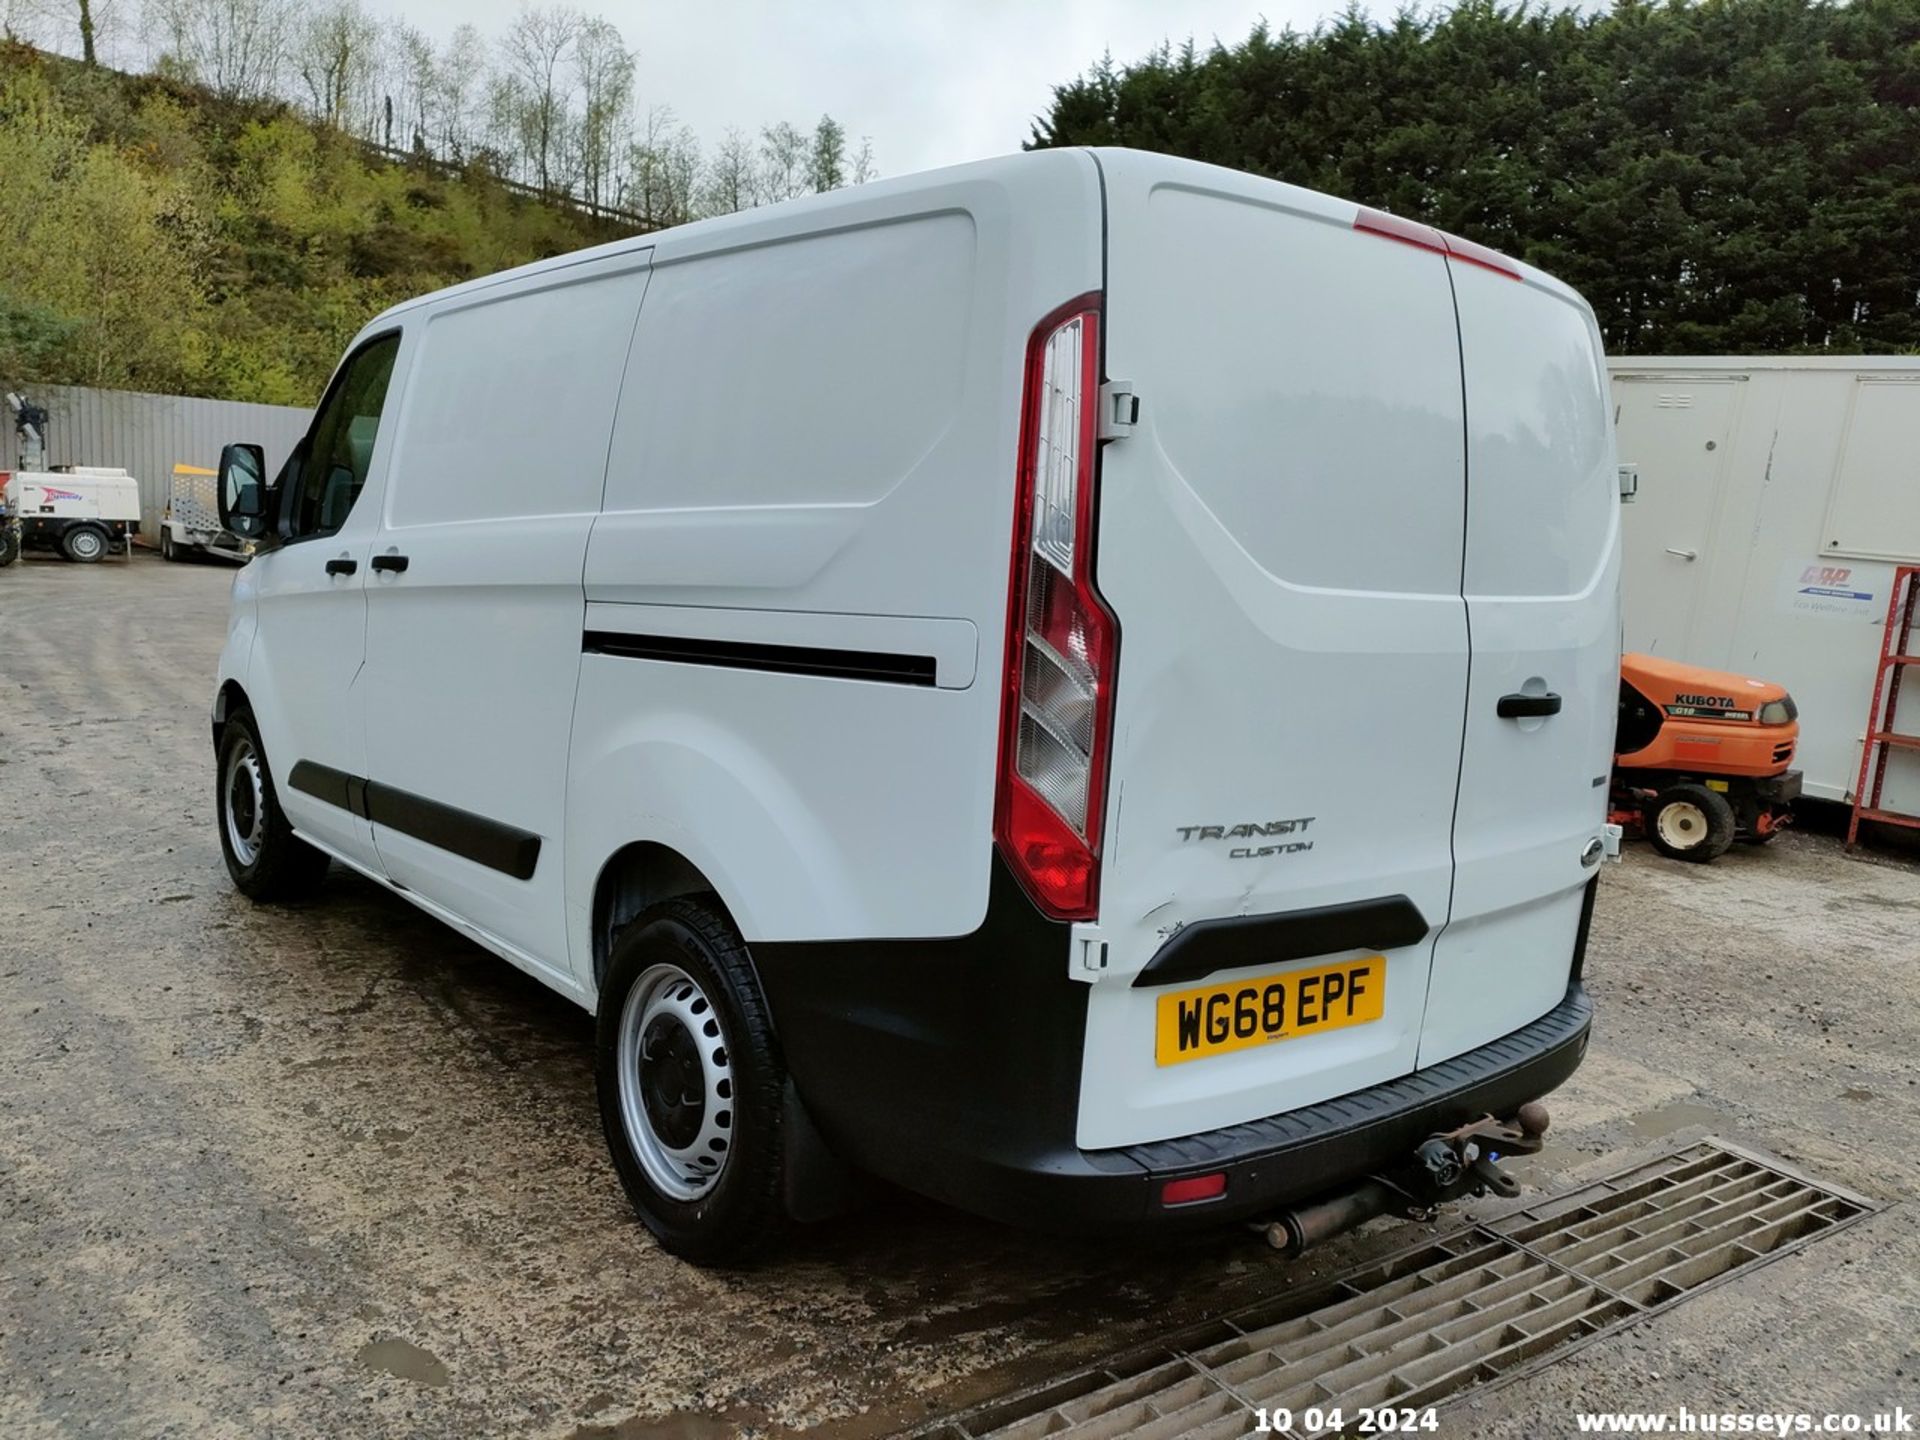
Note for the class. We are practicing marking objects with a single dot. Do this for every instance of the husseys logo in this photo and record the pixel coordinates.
(1253, 830)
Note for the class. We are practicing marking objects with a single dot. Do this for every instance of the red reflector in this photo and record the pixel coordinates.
(1412, 232)
(1194, 1187)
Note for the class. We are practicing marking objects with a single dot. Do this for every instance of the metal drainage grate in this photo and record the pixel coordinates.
(1480, 1304)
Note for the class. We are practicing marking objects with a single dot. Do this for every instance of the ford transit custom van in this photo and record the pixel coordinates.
(1081, 685)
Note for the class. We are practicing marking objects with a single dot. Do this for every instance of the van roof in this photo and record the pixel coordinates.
(813, 213)
(762, 223)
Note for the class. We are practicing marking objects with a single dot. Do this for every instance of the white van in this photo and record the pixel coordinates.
(1080, 684)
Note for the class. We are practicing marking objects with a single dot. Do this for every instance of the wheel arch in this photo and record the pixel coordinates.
(636, 877)
(231, 696)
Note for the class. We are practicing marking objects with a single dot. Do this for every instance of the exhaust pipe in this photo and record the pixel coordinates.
(1307, 1225)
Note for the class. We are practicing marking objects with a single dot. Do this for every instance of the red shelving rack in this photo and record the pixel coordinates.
(1896, 655)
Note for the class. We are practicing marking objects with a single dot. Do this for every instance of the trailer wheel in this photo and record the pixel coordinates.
(84, 544)
(691, 1084)
(1690, 822)
(266, 859)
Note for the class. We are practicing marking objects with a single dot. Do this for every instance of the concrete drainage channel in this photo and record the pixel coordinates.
(1487, 1302)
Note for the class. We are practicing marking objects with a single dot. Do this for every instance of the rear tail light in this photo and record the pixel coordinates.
(1061, 638)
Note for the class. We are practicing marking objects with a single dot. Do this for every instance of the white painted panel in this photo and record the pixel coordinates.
(512, 401)
(1875, 509)
(1281, 541)
(1543, 599)
(1677, 430)
(755, 362)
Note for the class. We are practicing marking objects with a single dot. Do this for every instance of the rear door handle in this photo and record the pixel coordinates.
(1684, 554)
(1523, 707)
(342, 566)
(395, 563)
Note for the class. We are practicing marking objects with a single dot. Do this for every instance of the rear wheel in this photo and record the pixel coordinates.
(1690, 822)
(9, 544)
(691, 1083)
(266, 859)
(84, 544)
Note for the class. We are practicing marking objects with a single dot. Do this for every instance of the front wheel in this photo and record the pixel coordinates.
(266, 859)
(691, 1083)
(9, 544)
(1690, 822)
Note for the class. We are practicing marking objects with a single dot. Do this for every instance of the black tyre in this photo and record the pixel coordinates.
(9, 544)
(84, 544)
(691, 1082)
(266, 859)
(1690, 822)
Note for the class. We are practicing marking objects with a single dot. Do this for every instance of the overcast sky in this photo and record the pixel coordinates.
(932, 82)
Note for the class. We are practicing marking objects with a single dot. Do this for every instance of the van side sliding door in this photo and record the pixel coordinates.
(474, 599)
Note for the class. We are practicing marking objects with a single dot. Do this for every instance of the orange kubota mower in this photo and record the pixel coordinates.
(1701, 757)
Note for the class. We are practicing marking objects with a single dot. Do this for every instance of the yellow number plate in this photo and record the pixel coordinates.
(1192, 1024)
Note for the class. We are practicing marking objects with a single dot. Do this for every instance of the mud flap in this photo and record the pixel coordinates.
(816, 1184)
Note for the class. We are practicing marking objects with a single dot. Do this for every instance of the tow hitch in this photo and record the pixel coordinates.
(1442, 1167)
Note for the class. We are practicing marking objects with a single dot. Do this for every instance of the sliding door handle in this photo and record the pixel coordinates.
(342, 566)
(395, 563)
(1526, 707)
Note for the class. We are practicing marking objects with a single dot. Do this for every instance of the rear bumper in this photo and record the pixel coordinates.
(952, 1068)
(1303, 1153)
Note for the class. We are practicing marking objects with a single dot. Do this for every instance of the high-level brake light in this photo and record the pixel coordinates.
(1412, 232)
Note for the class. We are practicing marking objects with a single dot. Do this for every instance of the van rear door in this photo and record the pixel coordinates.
(1542, 590)
(1280, 539)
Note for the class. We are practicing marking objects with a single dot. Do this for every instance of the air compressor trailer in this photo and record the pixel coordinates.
(1776, 496)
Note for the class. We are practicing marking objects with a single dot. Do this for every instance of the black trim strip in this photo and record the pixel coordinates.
(491, 843)
(1234, 942)
(336, 787)
(750, 655)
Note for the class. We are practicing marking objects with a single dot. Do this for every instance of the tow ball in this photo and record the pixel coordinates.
(1442, 1167)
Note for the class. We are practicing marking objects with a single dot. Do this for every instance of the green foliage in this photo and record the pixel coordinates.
(1715, 176)
(157, 239)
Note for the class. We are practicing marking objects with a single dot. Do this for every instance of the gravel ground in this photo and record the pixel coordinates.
(337, 1171)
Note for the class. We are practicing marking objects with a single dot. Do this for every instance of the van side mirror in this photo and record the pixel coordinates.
(243, 491)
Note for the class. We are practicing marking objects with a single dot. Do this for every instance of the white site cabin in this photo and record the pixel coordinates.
(1776, 496)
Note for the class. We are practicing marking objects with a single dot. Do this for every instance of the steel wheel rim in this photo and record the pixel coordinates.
(1682, 824)
(676, 1100)
(243, 800)
(86, 543)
